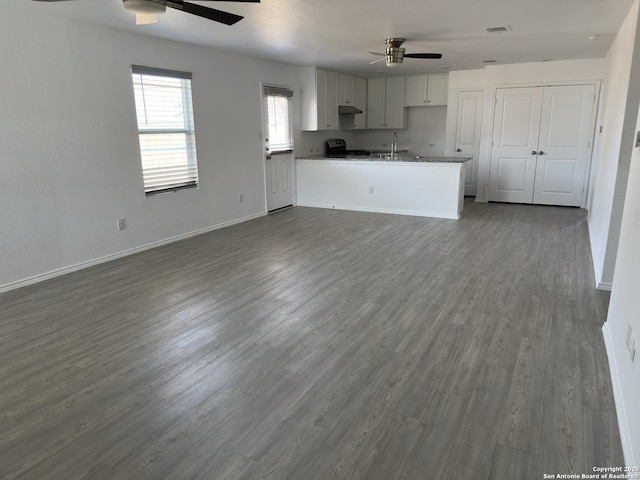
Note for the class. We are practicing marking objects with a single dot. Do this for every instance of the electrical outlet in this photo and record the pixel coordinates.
(371, 189)
(121, 224)
(240, 197)
(432, 145)
(311, 150)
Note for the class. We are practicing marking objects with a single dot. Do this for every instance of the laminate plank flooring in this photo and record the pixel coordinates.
(318, 344)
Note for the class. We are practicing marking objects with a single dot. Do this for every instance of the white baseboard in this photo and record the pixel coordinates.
(617, 396)
(114, 256)
(604, 286)
(415, 213)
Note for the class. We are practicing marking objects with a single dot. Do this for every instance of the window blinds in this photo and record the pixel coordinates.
(279, 118)
(166, 129)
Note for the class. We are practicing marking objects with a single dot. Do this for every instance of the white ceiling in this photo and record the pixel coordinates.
(337, 34)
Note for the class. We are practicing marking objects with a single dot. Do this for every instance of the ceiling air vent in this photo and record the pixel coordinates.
(498, 29)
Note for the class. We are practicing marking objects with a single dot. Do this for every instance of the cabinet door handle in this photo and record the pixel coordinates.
(458, 150)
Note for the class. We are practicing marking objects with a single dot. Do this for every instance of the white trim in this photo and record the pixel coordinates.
(623, 425)
(415, 213)
(114, 256)
(597, 261)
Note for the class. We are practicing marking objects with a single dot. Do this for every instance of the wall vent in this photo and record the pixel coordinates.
(498, 29)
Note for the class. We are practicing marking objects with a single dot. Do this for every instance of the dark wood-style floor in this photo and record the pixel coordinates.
(318, 344)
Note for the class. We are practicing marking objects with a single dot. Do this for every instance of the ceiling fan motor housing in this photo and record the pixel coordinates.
(393, 55)
(145, 7)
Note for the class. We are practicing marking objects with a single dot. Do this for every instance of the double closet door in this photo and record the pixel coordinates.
(541, 144)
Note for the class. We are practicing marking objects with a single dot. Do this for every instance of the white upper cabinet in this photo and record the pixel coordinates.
(375, 102)
(346, 89)
(352, 92)
(319, 99)
(394, 103)
(385, 103)
(415, 94)
(438, 90)
(426, 90)
(360, 101)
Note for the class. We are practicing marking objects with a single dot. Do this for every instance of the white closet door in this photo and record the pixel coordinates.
(515, 142)
(564, 145)
(469, 121)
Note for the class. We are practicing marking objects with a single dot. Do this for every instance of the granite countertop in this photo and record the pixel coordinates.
(383, 158)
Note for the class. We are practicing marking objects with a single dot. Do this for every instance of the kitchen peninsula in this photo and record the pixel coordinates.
(402, 184)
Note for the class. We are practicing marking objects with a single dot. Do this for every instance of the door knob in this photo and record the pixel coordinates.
(533, 152)
(540, 152)
(458, 150)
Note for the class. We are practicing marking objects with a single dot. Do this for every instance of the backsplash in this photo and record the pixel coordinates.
(424, 136)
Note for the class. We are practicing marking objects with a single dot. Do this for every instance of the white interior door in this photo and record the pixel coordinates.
(468, 124)
(515, 141)
(564, 145)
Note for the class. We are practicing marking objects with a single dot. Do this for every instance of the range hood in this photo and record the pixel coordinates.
(348, 109)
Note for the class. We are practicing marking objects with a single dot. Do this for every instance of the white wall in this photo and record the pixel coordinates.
(623, 311)
(68, 138)
(425, 126)
(619, 107)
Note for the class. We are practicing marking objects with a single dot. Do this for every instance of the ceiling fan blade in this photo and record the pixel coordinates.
(247, 1)
(376, 61)
(423, 55)
(205, 12)
(50, 0)
(376, 53)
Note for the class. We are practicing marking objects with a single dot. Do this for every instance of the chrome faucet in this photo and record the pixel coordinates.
(394, 144)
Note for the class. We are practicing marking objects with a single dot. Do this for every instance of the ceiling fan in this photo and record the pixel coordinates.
(147, 11)
(394, 53)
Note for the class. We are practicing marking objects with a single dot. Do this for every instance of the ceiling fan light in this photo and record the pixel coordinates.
(146, 19)
(144, 7)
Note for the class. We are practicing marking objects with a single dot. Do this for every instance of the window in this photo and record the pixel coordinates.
(165, 128)
(278, 108)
